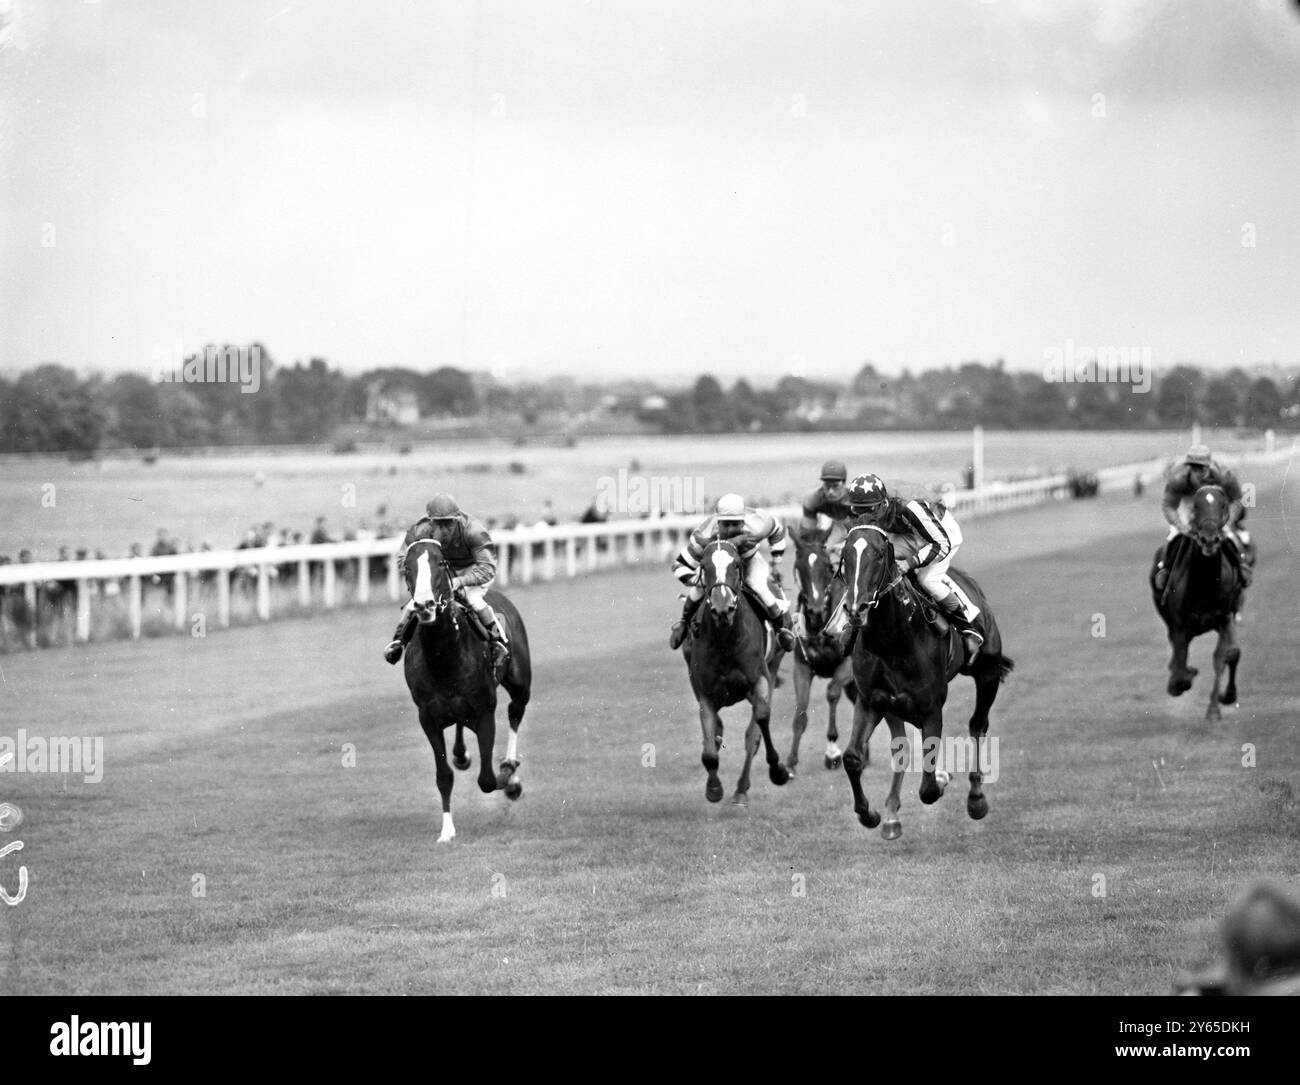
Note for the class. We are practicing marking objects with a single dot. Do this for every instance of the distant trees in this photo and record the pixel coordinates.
(51, 408)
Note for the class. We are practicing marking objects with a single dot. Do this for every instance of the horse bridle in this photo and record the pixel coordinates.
(440, 602)
(856, 619)
(735, 554)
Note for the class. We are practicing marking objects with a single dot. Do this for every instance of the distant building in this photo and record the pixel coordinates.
(396, 406)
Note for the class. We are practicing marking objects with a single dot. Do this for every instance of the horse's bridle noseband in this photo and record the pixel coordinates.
(440, 603)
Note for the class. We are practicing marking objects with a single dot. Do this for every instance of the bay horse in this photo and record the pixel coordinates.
(449, 672)
(818, 653)
(1202, 594)
(902, 665)
(731, 656)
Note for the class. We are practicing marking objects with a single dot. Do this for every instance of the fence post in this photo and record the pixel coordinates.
(179, 599)
(503, 564)
(328, 566)
(393, 579)
(570, 557)
(223, 598)
(363, 579)
(83, 610)
(264, 592)
(304, 583)
(526, 564)
(135, 604)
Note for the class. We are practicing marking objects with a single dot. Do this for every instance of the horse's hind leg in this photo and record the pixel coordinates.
(508, 777)
(458, 755)
(802, 689)
(752, 738)
(446, 778)
(761, 698)
(1233, 657)
(986, 692)
(934, 775)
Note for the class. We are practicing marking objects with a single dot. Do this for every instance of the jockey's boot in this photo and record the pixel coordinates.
(1162, 572)
(497, 638)
(400, 636)
(971, 637)
(678, 634)
(781, 625)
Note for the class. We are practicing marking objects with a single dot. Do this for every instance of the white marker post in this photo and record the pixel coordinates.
(977, 458)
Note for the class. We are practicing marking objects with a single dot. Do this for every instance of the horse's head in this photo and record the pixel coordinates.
(721, 573)
(814, 572)
(1209, 514)
(868, 568)
(428, 578)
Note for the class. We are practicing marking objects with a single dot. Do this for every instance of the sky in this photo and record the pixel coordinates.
(612, 189)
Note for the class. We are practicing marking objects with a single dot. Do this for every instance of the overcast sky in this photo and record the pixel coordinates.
(649, 189)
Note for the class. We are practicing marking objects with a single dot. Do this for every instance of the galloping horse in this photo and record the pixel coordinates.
(1203, 593)
(817, 652)
(902, 665)
(449, 672)
(731, 657)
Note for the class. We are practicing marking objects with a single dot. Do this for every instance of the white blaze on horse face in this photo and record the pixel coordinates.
(423, 579)
(812, 580)
(721, 559)
(859, 547)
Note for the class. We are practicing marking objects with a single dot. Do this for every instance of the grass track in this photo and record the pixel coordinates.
(224, 758)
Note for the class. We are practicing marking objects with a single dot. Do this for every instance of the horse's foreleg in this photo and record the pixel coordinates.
(865, 719)
(446, 778)
(761, 698)
(1226, 653)
(710, 727)
(1180, 674)
(458, 757)
(841, 679)
(508, 775)
(986, 691)
(900, 756)
(934, 775)
(486, 732)
(802, 689)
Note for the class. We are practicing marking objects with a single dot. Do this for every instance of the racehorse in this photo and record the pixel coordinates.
(818, 653)
(1202, 593)
(449, 672)
(731, 656)
(902, 665)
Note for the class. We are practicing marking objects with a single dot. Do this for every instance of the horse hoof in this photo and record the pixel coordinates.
(1178, 686)
(1230, 698)
(461, 763)
(892, 830)
(713, 791)
(977, 808)
(834, 762)
(514, 789)
(1212, 714)
(778, 774)
(446, 838)
(740, 798)
(869, 818)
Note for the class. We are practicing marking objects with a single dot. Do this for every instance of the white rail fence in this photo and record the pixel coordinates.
(524, 554)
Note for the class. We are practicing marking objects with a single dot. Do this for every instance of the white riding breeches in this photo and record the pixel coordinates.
(934, 578)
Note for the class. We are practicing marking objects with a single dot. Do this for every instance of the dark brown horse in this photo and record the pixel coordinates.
(450, 675)
(1202, 594)
(817, 653)
(731, 655)
(902, 664)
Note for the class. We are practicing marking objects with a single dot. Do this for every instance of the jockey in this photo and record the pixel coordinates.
(468, 549)
(826, 500)
(747, 529)
(1199, 469)
(930, 532)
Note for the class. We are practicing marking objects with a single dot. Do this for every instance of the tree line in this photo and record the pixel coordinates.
(52, 409)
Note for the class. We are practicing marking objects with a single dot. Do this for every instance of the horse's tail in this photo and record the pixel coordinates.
(993, 666)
